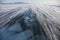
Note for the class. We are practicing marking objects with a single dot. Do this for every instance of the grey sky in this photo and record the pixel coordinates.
(30, 1)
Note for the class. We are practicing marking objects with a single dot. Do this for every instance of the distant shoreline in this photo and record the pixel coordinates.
(15, 3)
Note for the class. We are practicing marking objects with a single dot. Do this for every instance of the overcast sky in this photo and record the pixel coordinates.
(27, 0)
(31, 1)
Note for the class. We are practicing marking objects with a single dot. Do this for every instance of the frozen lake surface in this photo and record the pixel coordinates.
(29, 22)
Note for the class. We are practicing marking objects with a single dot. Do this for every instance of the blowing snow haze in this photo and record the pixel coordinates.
(28, 20)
